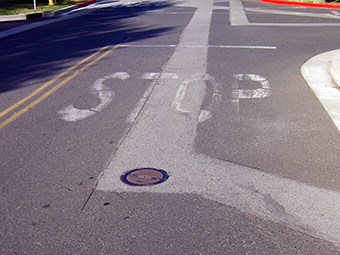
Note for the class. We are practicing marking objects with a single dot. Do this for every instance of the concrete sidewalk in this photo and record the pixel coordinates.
(335, 70)
(322, 73)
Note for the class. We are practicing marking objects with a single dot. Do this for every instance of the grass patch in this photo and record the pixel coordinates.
(9, 7)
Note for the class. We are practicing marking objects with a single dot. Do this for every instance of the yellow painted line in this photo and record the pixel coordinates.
(55, 88)
(11, 108)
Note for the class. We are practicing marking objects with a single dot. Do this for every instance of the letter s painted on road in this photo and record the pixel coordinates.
(70, 113)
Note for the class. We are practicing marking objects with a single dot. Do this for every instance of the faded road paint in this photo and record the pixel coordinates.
(56, 87)
(163, 138)
(262, 92)
(105, 94)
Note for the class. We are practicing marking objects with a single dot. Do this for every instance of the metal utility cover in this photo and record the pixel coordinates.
(144, 177)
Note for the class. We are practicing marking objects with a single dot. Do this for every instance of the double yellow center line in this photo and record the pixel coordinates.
(108, 50)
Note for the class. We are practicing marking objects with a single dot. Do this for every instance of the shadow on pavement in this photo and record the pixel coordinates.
(36, 55)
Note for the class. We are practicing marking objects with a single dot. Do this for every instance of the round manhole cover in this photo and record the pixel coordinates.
(144, 177)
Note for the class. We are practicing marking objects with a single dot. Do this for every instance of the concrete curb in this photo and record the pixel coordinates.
(34, 15)
(335, 70)
(31, 15)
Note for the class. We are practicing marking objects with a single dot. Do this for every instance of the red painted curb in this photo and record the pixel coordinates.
(329, 6)
(86, 3)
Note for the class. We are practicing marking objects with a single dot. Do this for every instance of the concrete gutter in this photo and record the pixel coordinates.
(335, 69)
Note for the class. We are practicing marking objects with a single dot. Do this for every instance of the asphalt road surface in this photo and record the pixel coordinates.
(209, 91)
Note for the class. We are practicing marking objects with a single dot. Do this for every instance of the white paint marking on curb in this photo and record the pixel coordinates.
(316, 72)
(70, 113)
